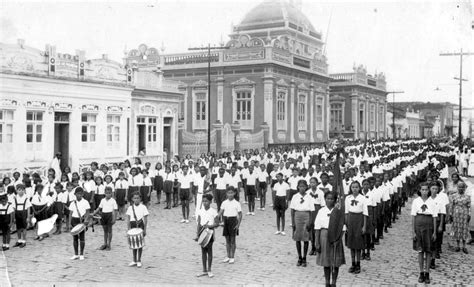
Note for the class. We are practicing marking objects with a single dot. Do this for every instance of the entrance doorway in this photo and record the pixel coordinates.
(61, 137)
(167, 136)
(141, 137)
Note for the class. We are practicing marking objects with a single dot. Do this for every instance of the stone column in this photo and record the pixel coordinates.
(220, 99)
(327, 111)
(377, 119)
(367, 117)
(181, 128)
(291, 108)
(218, 127)
(236, 130)
(311, 116)
(385, 119)
(268, 103)
(265, 129)
(355, 114)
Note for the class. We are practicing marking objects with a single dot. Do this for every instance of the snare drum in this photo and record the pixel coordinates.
(135, 238)
(205, 237)
(78, 229)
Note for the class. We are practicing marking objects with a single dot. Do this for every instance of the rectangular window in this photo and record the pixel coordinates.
(302, 112)
(34, 127)
(336, 117)
(152, 130)
(113, 129)
(319, 113)
(281, 111)
(243, 106)
(361, 117)
(89, 127)
(200, 112)
(6, 126)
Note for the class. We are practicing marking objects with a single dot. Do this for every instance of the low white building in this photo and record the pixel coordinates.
(52, 102)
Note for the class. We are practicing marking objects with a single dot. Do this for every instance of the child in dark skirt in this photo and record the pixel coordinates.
(168, 181)
(330, 255)
(231, 212)
(371, 198)
(356, 222)
(121, 186)
(206, 218)
(58, 206)
(424, 213)
(158, 182)
(108, 211)
(6, 220)
(302, 218)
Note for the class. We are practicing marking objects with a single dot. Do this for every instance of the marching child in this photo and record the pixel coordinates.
(207, 218)
(58, 207)
(121, 186)
(145, 189)
(424, 213)
(22, 214)
(356, 222)
(137, 217)
(70, 197)
(108, 210)
(100, 191)
(330, 255)
(80, 209)
(231, 212)
(6, 220)
(109, 182)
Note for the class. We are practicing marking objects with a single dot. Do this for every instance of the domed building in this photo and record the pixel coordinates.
(269, 84)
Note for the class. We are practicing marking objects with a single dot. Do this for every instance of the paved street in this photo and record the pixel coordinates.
(172, 257)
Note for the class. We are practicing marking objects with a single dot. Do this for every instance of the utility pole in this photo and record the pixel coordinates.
(393, 111)
(460, 54)
(209, 48)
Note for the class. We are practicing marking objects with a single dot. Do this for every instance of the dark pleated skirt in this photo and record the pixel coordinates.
(423, 233)
(355, 240)
(332, 255)
(158, 183)
(168, 186)
(301, 220)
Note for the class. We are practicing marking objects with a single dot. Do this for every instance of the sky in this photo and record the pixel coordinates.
(403, 39)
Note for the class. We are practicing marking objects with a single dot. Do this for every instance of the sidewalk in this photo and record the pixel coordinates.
(4, 279)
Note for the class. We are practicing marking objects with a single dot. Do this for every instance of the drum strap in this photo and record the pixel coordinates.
(78, 213)
(135, 215)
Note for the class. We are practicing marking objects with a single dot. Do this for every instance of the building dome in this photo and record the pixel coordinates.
(277, 13)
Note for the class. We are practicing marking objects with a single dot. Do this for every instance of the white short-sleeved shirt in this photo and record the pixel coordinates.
(302, 203)
(147, 181)
(222, 182)
(346, 184)
(440, 204)
(111, 185)
(252, 177)
(356, 204)
(89, 186)
(21, 202)
(121, 184)
(185, 180)
(108, 205)
(317, 196)
(322, 219)
(62, 197)
(140, 211)
(262, 176)
(82, 206)
(293, 182)
(207, 216)
(101, 189)
(384, 191)
(231, 208)
(234, 180)
(427, 207)
(371, 197)
(8, 207)
(389, 186)
(281, 188)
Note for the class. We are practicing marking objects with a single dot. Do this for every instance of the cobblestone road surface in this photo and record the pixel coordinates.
(262, 258)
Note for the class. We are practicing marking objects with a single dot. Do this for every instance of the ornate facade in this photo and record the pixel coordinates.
(84, 108)
(358, 105)
(269, 83)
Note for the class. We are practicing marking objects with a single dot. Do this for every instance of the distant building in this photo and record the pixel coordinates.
(358, 105)
(408, 124)
(440, 115)
(466, 122)
(87, 109)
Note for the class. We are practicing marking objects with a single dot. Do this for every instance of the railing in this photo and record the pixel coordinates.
(343, 77)
(184, 59)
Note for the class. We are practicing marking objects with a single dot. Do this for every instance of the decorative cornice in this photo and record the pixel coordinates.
(282, 83)
(302, 86)
(243, 82)
(92, 108)
(36, 104)
(199, 84)
(62, 106)
(8, 103)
